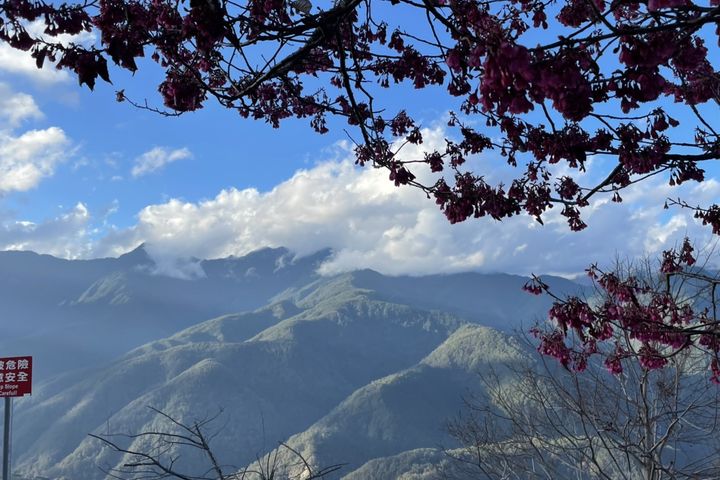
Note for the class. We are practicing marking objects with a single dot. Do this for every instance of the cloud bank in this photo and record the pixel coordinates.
(370, 223)
(66, 235)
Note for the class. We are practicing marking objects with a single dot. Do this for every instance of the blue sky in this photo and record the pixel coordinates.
(83, 176)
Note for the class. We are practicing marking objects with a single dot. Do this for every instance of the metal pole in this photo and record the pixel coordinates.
(6, 439)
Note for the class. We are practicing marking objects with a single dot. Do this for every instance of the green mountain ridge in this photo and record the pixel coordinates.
(348, 368)
(321, 355)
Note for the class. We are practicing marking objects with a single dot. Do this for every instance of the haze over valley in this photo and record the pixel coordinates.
(359, 369)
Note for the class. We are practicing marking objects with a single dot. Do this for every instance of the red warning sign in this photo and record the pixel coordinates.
(15, 376)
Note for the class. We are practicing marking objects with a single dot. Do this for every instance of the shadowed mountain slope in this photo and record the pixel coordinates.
(290, 374)
(409, 409)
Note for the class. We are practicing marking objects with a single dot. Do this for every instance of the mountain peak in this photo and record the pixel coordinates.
(137, 256)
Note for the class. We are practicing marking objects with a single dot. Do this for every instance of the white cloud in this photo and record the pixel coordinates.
(64, 236)
(26, 159)
(16, 107)
(156, 159)
(370, 223)
(19, 62)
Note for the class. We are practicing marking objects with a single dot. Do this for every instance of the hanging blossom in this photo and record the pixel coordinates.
(597, 83)
(636, 318)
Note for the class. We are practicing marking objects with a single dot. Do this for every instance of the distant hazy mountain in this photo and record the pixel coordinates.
(71, 314)
(495, 300)
(353, 368)
(76, 313)
(491, 299)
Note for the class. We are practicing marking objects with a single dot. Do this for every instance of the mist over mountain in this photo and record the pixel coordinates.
(349, 368)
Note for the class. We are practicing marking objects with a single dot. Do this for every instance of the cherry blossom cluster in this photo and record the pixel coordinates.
(646, 317)
(549, 83)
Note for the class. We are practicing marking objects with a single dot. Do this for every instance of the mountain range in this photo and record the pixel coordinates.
(359, 368)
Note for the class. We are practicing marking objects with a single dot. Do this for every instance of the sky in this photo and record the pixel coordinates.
(83, 176)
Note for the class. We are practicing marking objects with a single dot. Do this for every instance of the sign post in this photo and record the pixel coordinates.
(15, 381)
(6, 439)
